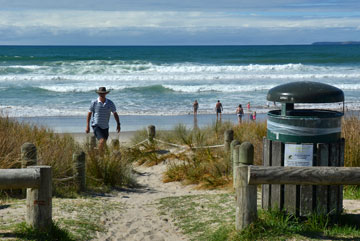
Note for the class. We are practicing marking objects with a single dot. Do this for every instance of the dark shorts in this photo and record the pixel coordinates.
(101, 133)
(218, 110)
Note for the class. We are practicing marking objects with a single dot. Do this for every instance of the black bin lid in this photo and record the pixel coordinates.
(305, 92)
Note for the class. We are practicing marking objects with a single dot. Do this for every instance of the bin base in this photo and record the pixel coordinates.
(302, 200)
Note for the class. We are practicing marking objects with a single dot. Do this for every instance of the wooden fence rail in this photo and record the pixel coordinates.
(37, 180)
(248, 176)
(304, 175)
(19, 178)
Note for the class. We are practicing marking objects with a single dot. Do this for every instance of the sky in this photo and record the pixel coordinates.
(177, 22)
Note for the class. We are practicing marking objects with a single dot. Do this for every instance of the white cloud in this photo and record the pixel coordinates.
(75, 20)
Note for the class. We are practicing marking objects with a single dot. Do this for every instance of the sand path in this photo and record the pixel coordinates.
(141, 219)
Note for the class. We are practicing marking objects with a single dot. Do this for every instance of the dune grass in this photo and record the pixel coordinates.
(210, 167)
(110, 169)
(350, 131)
(193, 161)
(52, 149)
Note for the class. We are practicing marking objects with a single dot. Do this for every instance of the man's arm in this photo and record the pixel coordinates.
(87, 130)
(116, 116)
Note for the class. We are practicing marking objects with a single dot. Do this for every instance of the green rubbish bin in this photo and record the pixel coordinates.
(304, 125)
(316, 133)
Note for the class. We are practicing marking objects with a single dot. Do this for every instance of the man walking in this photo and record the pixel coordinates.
(100, 110)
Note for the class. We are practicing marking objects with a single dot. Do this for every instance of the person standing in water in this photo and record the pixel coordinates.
(253, 116)
(239, 113)
(218, 109)
(196, 107)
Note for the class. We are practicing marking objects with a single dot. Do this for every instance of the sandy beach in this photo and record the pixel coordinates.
(124, 136)
(76, 124)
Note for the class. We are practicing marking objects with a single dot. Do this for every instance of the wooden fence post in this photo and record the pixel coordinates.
(231, 159)
(39, 201)
(228, 138)
(92, 142)
(79, 168)
(235, 164)
(115, 144)
(246, 195)
(28, 155)
(151, 133)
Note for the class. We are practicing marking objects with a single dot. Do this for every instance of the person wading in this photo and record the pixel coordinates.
(100, 110)
(218, 109)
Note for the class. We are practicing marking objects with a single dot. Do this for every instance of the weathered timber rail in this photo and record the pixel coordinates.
(247, 177)
(304, 175)
(37, 180)
(19, 178)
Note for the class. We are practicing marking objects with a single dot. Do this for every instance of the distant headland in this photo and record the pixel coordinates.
(337, 43)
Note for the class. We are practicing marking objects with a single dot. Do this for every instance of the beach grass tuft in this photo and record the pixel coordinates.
(350, 131)
(111, 167)
(25, 232)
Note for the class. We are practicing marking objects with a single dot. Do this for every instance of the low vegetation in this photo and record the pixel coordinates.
(73, 219)
(212, 218)
(350, 131)
(110, 169)
(190, 161)
(211, 167)
(194, 160)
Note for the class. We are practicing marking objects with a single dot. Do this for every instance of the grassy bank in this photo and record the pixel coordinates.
(73, 219)
(210, 167)
(212, 218)
(193, 159)
(103, 169)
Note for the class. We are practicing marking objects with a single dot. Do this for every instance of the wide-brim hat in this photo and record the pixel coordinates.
(102, 90)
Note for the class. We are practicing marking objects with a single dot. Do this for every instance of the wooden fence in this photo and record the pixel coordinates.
(247, 177)
(37, 180)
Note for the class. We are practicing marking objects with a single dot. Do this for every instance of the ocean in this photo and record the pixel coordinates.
(60, 81)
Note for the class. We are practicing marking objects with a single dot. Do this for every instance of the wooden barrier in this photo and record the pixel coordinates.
(302, 200)
(235, 157)
(28, 155)
(304, 175)
(19, 178)
(151, 133)
(246, 209)
(115, 144)
(228, 138)
(79, 169)
(39, 193)
(233, 144)
(248, 177)
(93, 142)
